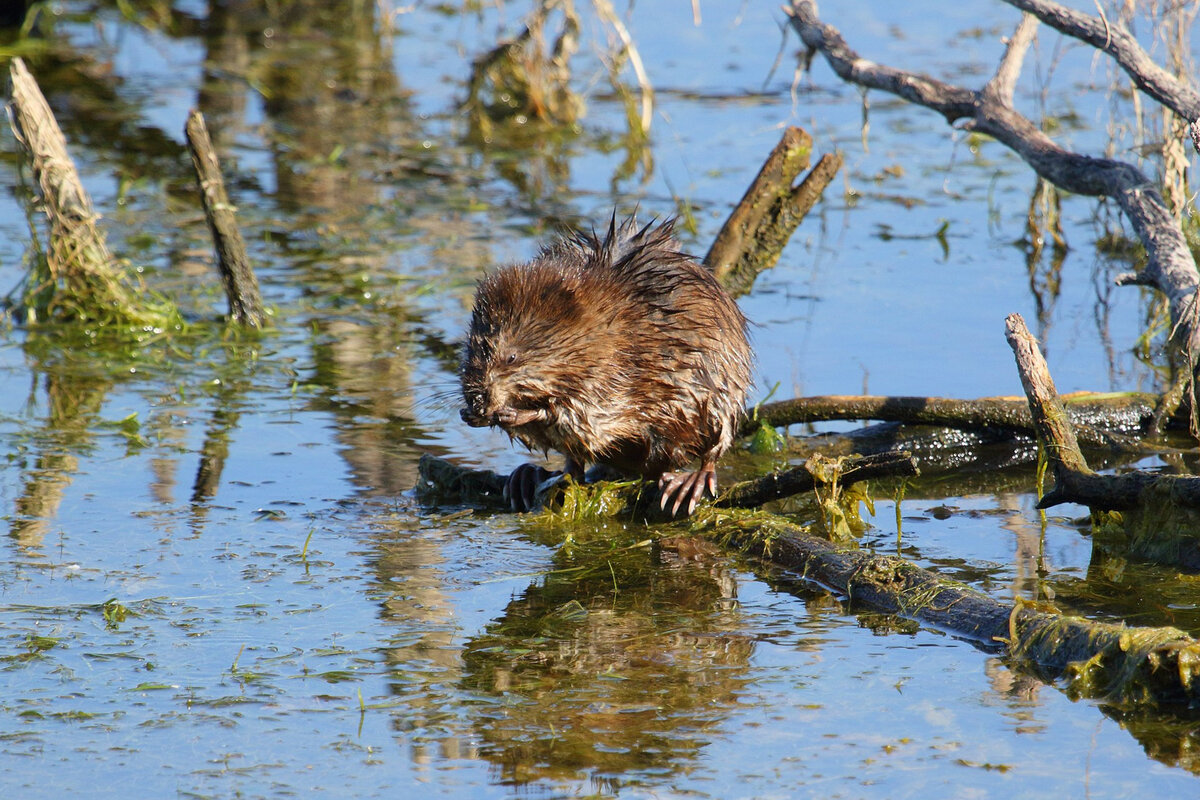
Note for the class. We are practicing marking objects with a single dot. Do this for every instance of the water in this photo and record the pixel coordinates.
(218, 581)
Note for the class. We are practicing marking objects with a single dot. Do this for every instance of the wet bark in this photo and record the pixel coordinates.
(444, 479)
(758, 228)
(1100, 659)
(797, 480)
(1099, 417)
(241, 286)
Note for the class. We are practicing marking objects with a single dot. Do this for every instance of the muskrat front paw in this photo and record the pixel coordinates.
(686, 486)
(520, 490)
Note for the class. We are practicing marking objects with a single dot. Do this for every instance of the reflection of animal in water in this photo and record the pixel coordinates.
(622, 352)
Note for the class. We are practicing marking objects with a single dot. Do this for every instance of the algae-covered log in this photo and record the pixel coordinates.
(444, 479)
(1097, 659)
(758, 228)
(241, 287)
(805, 478)
(74, 277)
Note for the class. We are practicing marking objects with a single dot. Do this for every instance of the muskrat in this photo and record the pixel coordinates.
(624, 353)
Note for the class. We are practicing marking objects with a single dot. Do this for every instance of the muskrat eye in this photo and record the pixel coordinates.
(512, 358)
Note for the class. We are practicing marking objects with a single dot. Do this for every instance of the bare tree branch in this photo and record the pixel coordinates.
(1115, 39)
(1170, 268)
(1000, 88)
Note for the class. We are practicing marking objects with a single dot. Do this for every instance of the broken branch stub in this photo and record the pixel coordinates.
(75, 277)
(759, 227)
(241, 286)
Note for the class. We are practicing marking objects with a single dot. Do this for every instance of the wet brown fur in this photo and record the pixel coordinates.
(622, 352)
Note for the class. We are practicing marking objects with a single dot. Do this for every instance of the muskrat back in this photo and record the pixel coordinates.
(623, 352)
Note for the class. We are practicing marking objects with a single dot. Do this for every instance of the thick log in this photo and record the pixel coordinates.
(241, 286)
(1098, 659)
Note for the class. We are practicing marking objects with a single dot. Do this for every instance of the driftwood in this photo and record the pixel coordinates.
(241, 287)
(1099, 659)
(76, 277)
(1170, 268)
(758, 228)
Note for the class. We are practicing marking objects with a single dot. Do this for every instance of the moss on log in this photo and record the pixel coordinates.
(74, 277)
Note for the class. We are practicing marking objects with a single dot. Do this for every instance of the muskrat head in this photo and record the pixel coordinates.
(521, 340)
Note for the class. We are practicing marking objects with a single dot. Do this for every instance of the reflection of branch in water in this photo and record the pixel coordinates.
(1045, 282)
(214, 450)
(74, 403)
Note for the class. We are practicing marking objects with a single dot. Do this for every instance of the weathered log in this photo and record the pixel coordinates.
(76, 277)
(758, 228)
(1098, 415)
(1170, 268)
(1098, 659)
(241, 286)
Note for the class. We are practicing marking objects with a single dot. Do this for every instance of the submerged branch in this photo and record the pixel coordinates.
(1098, 659)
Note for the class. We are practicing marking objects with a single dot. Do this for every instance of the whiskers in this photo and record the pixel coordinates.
(438, 402)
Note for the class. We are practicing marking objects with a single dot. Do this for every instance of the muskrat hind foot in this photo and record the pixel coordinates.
(690, 486)
(520, 490)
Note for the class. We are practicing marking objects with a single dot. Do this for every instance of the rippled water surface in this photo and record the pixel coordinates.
(217, 580)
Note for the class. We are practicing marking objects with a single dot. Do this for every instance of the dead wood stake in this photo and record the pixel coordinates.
(241, 287)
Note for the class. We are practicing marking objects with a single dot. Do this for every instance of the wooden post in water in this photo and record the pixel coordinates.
(80, 279)
(241, 287)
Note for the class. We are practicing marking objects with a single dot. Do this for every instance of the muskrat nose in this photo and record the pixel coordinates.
(473, 419)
